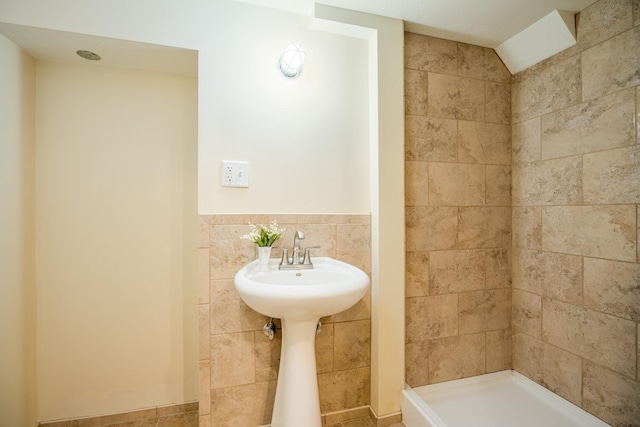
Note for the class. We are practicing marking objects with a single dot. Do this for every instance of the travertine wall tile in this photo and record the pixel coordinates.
(203, 275)
(486, 143)
(458, 238)
(549, 274)
(228, 312)
(483, 311)
(353, 245)
(497, 103)
(204, 387)
(553, 88)
(481, 63)
(612, 176)
(204, 421)
(636, 12)
(610, 396)
(341, 390)
(498, 186)
(603, 20)
(431, 228)
(204, 346)
(527, 313)
(611, 65)
(361, 310)
(416, 183)
(430, 54)
(352, 344)
(612, 287)
(232, 361)
(484, 227)
(602, 123)
(417, 363)
(638, 115)
(497, 268)
(548, 182)
(498, 350)
(415, 92)
(244, 363)
(554, 368)
(203, 233)
(417, 274)
(525, 141)
(456, 271)
(602, 338)
(456, 97)
(562, 373)
(456, 184)
(457, 357)
(324, 348)
(527, 227)
(227, 251)
(267, 356)
(246, 405)
(430, 139)
(527, 356)
(598, 231)
(431, 317)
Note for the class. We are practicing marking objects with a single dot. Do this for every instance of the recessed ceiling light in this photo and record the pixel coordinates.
(86, 54)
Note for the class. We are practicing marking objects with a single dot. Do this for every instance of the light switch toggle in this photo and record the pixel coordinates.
(235, 173)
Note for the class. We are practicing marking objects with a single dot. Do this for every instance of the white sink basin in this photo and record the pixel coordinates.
(300, 298)
(330, 287)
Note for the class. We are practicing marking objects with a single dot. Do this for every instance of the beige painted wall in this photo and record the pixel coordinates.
(18, 403)
(116, 238)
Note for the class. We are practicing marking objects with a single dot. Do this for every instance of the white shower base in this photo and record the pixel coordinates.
(501, 399)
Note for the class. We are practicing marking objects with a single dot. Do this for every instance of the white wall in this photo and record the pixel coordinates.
(306, 139)
(116, 239)
(18, 401)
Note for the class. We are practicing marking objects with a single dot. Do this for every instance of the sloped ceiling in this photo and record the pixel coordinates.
(486, 23)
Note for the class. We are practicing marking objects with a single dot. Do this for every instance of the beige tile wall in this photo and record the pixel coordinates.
(458, 210)
(238, 363)
(572, 157)
(576, 190)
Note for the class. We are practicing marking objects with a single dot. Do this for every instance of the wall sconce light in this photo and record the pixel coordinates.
(292, 61)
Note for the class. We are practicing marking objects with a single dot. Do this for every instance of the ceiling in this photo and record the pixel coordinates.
(485, 23)
(60, 46)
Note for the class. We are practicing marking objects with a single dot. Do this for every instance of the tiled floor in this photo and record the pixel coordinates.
(186, 419)
(176, 416)
(360, 422)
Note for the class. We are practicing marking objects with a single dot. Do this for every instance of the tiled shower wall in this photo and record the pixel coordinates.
(576, 189)
(238, 363)
(458, 210)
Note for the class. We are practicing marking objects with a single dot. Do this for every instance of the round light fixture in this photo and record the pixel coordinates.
(292, 60)
(87, 54)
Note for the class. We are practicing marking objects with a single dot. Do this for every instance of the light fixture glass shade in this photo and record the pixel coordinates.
(292, 60)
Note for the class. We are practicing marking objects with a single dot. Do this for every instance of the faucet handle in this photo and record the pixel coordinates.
(307, 256)
(285, 257)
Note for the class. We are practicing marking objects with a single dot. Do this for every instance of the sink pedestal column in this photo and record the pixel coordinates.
(297, 403)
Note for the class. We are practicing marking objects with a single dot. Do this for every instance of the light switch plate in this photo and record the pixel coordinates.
(235, 173)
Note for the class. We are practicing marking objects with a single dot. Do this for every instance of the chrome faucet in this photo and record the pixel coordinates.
(297, 262)
(296, 247)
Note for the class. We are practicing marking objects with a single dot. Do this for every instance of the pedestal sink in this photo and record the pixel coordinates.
(300, 298)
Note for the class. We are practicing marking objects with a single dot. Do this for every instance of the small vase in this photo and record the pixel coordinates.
(264, 255)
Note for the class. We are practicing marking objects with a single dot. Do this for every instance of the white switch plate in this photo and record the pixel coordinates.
(235, 174)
